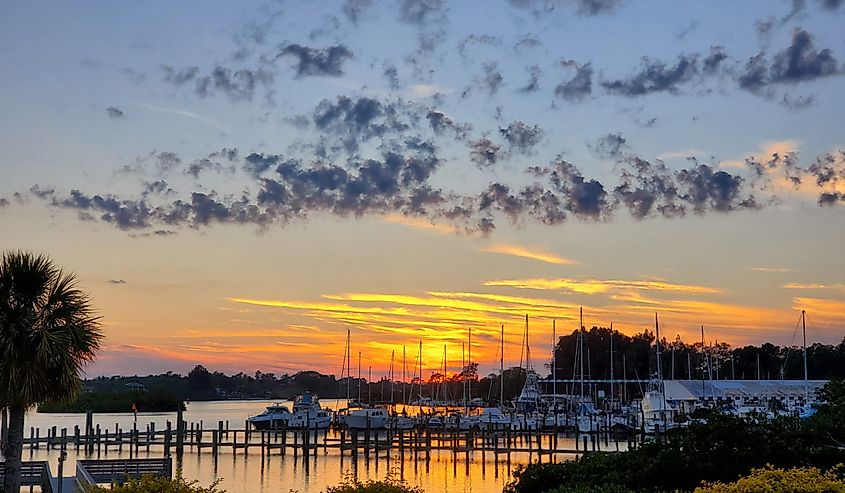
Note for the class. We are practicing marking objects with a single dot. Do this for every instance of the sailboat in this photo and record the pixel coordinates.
(528, 403)
(657, 415)
(586, 415)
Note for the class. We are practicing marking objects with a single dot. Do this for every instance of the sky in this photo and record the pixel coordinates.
(238, 184)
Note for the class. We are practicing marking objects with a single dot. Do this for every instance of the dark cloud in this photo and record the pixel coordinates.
(237, 85)
(115, 112)
(359, 119)
(714, 60)
(440, 123)
(533, 83)
(801, 61)
(116, 281)
(484, 152)
(124, 214)
(828, 168)
(179, 76)
(157, 187)
(353, 9)
(609, 146)
(830, 198)
(392, 75)
(492, 78)
(597, 7)
(522, 137)
(256, 164)
(655, 76)
(478, 39)
(419, 11)
(586, 199)
(708, 189)
(166, 161)
(42, 193)
(647, 188)
(579, 86)
(832, 4)
(317, 61)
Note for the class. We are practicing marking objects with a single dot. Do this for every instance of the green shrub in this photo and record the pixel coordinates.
(153, 484)
(391, 484)
(769, 479)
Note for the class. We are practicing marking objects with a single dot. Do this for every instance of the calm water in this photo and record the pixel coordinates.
(241, 473)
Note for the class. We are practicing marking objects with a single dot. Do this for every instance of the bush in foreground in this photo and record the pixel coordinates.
(153, 484)
(797, 480)
(391, 484)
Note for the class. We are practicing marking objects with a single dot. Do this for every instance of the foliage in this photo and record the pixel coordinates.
(724, 449)
(797, 480)
(154, 484)
(391, 484)
(154, 400)
(48, 331)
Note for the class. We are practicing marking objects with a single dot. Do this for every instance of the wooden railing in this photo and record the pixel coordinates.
(35, 473)
(107, 471)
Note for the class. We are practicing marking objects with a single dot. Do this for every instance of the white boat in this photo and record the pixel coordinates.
(307, 413)
(402, 423)
(560, 420)
(526, 422)
(275, 416)
(361, 419)
(529, 398)
(587, 418)
(488, 418)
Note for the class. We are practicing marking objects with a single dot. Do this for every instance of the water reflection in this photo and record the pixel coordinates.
(446, 470)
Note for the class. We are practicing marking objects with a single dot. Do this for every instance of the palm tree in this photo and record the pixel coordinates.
(48, 333)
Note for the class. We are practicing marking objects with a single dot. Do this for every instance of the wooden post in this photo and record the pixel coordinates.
(180, 432)
(168, 429)
(247, 436)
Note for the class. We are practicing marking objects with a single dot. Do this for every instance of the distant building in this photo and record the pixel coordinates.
(136, 387)
(689, 394)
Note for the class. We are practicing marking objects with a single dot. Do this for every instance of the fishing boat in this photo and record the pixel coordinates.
(274, 416)
(307, 413)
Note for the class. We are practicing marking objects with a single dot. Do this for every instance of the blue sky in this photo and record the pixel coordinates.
(279, 151)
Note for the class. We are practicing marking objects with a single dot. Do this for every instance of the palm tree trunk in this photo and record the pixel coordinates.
(14, 450)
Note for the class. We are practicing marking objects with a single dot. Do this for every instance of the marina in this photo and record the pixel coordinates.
(260, 460)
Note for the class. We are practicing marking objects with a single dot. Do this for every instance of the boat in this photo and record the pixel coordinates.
(307, 413)
(402, 423)
(361, 419)
(488, 419)
(274, 416)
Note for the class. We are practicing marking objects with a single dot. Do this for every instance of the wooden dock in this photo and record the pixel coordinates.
(417, 443)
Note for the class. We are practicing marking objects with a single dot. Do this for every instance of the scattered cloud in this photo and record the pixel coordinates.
(529, 253)
(115, 112)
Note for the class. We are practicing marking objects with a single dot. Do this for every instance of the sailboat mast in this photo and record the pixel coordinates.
(502, 369)
(404, 375)
(392, 376)
(611, 365)
(657, 346)
(359, 377)
(469, 362)
(554, 361)
(581, 345)
(527, 347)
(804, 330)
(348, 377)
(463, 374)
